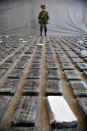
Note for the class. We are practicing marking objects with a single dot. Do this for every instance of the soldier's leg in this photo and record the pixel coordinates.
(41, 29)
(45, 29)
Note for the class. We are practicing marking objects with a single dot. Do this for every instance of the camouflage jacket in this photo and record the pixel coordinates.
(43, 16)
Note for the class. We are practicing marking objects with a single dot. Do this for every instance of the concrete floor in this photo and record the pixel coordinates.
(42, 120)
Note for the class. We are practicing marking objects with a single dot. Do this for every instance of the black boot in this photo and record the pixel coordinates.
(45, 34)
(41, 33)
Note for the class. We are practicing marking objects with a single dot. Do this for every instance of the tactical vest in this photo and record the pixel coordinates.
(43, 16)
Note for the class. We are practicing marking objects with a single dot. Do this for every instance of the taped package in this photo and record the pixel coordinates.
(59, 112)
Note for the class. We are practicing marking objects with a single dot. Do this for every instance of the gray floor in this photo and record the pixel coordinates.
(20, 63)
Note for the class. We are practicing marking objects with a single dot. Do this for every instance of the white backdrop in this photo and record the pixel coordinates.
(20, 16)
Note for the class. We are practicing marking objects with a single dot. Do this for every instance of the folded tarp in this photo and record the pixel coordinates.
(59, 112)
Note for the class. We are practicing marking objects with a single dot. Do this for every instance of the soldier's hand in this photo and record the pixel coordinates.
(46, 22)
(39, 20)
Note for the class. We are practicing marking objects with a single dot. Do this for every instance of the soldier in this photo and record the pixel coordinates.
(43, 19)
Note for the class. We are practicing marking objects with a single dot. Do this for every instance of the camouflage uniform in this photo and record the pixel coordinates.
(43, 17)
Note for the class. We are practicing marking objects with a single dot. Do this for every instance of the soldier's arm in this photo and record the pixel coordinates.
(48, 16)
(39, 16)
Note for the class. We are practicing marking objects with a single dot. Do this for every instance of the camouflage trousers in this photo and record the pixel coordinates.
(43, 26)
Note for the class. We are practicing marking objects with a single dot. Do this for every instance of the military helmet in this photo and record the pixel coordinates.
(43, 6)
